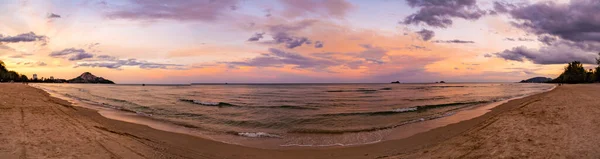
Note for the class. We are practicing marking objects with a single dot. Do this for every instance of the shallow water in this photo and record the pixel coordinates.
(289, 115)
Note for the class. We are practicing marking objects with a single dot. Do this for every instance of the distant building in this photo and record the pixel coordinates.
(35, 76)
(51, 77)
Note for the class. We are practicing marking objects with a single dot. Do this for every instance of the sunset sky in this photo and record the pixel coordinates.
(266, 41)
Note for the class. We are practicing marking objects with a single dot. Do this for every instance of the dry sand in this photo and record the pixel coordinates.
(562, 123)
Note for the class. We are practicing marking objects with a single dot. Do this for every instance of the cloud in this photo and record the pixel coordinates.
(333, 8)
(23, 55)
(256, 37)
(107, 61)
(554, 54)
(279, 58)
(25, 37)
(503, 7)
(32, 64)
(53, 16)
(453, 41)
(426, 35)
(285, 34)
(578, 20)
(114, 63)
(318, 44)
(181, 10)
(518, 39)
(75, 54)
(439, 13)
(289, 40)
(373, 54)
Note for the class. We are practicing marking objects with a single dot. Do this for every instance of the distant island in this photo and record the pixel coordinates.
(537, 80)
(88, 77)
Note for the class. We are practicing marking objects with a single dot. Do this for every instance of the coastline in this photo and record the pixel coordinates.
(185, 146)
(402, 130)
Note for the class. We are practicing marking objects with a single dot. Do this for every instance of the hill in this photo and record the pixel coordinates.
(537, 80)
(87, 77)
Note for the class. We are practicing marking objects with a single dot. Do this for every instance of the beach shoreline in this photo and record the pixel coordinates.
(174, 144)
(395, 133)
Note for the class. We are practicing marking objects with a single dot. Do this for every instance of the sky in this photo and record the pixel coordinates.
(291, 41)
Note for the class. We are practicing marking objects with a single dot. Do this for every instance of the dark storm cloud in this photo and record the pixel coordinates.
(454, 41)
(548, 40)
(503, 7)
(25, 37)
(555, 54)
(578, 20)
(439, 13)
(279, 58)
(182, 10)
(72, 53)
(52, 16)
(426, 35)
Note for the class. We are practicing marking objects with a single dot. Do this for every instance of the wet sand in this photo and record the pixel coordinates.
(35, 125)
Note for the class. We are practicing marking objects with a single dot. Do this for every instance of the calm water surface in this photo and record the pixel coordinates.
(290, 115)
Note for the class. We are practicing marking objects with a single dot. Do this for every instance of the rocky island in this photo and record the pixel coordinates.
(537, 80)
(88, 77)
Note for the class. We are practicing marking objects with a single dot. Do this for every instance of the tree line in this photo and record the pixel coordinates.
(13, 76)
(9, 75)
(575, 73)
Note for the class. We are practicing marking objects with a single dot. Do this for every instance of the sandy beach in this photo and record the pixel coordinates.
(558, 124)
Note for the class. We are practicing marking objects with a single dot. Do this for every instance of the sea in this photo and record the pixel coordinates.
(284, 116)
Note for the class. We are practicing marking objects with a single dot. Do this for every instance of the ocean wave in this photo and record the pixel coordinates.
(371, 129)
(427, 99)
(223, 104)
(356, 90)
(404, 110)
(257, 135)
(290, 107)
(220, 104)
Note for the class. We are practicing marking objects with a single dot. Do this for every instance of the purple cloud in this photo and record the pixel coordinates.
(426, 35)
(182, 10)
(75, 54)
(456, 41)
(113, 63)
(318, 44)
(554, 54)
(439, 13)
(32, 64)
(578, 20)
(285, 34)
(279, 58)
(334, 8)
(53, 16)
(256, 37)
(25, 37)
